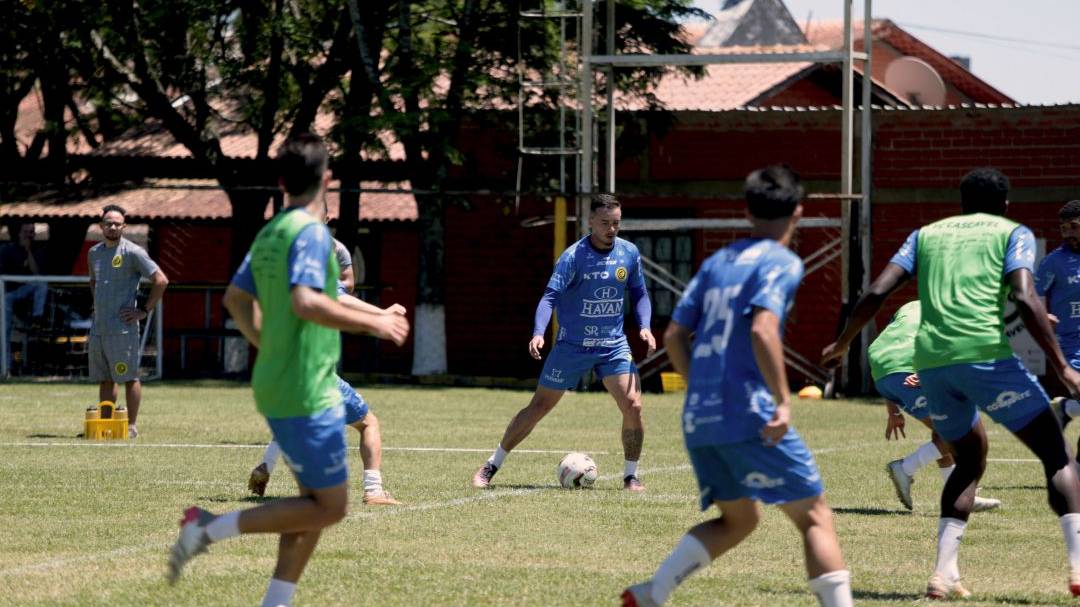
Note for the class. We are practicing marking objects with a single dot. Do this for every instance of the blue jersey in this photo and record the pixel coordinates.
(727, 398)
(1058, 279)
(589, 289)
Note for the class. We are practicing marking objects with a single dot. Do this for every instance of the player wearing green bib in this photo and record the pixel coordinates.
(967, 265)
(893, 369)
(291, 273)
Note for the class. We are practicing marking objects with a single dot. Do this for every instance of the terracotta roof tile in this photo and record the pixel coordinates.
(728, 86)
(174, 199)
(884, 31)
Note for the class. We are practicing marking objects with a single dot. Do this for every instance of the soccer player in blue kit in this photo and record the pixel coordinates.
(725, 337)
(1058, 280)
(587, 290)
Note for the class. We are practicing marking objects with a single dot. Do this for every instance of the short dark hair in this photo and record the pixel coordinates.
(604, 201)
(1069, 211)
(984, 190)
(773, 192)
(109, 208)
(302, 161)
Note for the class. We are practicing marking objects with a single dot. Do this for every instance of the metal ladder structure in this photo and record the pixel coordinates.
(855, 220)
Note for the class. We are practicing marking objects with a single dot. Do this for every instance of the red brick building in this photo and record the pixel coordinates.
(737, 118)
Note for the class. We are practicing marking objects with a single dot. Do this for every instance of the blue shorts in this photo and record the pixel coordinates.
(1003, 389)
(568, 362)
(911, 400)
(314, 447)
(355, 407)
(773, 475)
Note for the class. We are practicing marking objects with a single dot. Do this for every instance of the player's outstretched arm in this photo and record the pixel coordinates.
(315, 306)
(242, 307)
(677, 340)
(891, 278)
(355, 303)
(769, 355)
(1035, 318)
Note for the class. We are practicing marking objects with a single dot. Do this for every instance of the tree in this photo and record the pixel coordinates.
(199, 67)
(439, 60)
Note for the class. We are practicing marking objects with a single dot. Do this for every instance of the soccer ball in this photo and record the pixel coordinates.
(577, 470)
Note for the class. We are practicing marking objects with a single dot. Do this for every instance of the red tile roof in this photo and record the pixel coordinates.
(199, 199)
(729, 86)
(901, 42)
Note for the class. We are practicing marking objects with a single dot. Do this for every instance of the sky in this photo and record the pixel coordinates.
(1039, 65)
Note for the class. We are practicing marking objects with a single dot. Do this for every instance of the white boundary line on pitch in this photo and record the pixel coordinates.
(230, 446)
(1010, 460)
(461, 501)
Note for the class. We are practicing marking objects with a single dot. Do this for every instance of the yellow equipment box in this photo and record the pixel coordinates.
(105, 422)
(672, 382)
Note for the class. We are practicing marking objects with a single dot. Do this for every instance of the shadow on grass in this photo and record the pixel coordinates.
(516, 486)
(40, 435)
(868, 511)
(871, 595)
(232, 498)
(1013, 487)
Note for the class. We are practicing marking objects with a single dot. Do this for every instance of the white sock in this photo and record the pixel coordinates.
(946, 472)
(1072, 407)
(1070, 526)
(372, 481)
(950, 531)
(271, 455)
(689, 556)
(926, 453)
(224, 526)
(497, 458)
(833, 589)
(279, 593)
(629, 468)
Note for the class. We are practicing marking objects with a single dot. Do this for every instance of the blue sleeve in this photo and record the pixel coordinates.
(308, 255)
(778, 279)
(639, 295)
(564, 272)
(543, 311)
(688, 312)
(244, 279)
(905, 257)
(1020, 251)
(1044, 277)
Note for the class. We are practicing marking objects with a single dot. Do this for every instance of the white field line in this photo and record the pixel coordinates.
(492, 495)
(461, 501)
(229, 446)
(1011, 460)
(75, 560)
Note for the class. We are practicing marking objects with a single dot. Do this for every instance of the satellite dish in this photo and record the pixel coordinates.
(916, 81)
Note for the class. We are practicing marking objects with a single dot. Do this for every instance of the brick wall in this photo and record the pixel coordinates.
(919, 158)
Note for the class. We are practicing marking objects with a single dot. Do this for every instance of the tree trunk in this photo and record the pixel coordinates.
(248, 210)
(429, 332)
(348, 222)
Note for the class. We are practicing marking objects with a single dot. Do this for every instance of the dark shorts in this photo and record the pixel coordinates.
(784, 473)
(1003, 389)
(314, 447)
(567, 363)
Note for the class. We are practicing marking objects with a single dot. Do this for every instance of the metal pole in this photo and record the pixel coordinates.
(846, 144)
(560, 246)
(865, 179)
(4, 363)
(585, 174)
(609, 155)
(158, 336)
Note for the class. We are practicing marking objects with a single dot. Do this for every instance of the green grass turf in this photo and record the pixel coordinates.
(91, 525)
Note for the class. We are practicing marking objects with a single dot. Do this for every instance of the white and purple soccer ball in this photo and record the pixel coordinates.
(577, 470)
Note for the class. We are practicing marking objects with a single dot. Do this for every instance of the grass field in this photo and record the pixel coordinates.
(84, 524)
